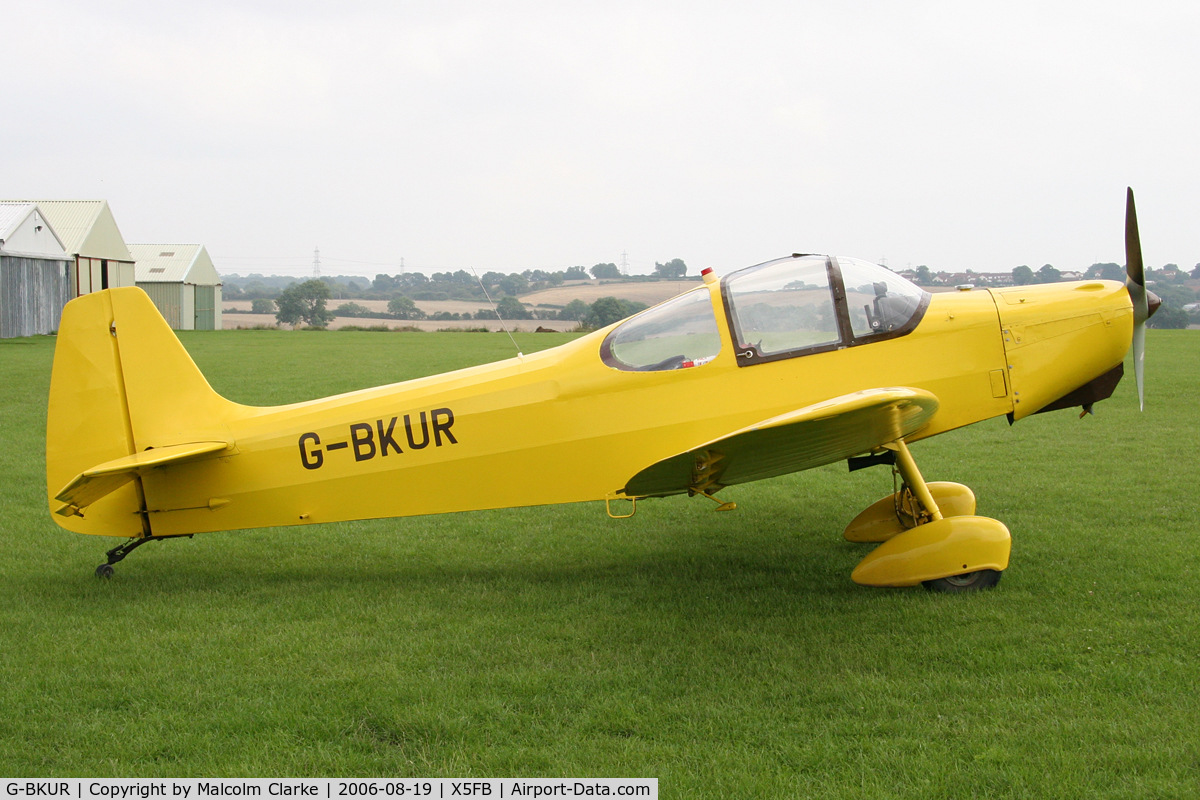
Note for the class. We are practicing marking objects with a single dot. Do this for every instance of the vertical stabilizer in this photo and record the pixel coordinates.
(122, 384)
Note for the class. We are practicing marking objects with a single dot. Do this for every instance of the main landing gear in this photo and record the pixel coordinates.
(106, 570)
(930, 535)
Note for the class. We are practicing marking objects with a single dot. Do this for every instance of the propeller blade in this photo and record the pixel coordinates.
(1135, 282)
(1135, 273)
(1139, 361)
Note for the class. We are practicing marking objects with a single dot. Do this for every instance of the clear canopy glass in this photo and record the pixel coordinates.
(678, 334)
(783, 305)
(879, 300)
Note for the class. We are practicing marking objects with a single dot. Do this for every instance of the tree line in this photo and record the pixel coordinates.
(307, 304)
(457, 285)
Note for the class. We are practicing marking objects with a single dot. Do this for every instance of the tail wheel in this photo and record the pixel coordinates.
(970, 582)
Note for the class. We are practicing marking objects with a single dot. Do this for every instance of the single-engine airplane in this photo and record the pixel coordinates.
(778, 367)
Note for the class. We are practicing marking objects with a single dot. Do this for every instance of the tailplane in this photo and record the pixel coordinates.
(124, 397)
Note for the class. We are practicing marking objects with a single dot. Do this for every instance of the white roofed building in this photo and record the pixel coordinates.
(90, 236)
(182, 282)
(35, 272)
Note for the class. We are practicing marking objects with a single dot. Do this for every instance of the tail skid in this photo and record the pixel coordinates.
(125, 397)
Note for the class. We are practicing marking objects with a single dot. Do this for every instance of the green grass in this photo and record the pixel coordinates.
(725, 654)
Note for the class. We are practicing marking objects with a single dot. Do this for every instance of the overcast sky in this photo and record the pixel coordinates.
(522, 135)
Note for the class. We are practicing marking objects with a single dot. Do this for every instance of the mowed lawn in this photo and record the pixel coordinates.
(727, 654)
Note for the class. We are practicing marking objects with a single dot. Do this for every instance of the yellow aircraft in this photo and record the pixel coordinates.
(775, 368)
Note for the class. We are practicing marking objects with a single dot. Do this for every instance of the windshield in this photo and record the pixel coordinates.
(809, 303)
(677, 334)
(782, 306)
(879, 300)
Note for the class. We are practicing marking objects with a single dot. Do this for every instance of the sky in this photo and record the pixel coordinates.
(541, 135)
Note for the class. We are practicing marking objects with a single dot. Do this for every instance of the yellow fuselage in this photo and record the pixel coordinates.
(560, 426)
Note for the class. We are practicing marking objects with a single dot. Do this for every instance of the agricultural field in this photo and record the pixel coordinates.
(651, 293)
(726, 654)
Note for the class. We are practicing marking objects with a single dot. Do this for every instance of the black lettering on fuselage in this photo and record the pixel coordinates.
(424, 433)
(385, 437)
(364, 445)
(442, 427)
(314, 459)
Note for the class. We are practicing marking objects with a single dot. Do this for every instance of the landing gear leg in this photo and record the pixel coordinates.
(946, 553)
(105, 570)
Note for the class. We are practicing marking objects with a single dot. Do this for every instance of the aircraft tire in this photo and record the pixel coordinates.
(104, 571)
(971, 582)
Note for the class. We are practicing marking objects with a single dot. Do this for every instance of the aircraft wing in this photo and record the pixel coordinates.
(807, 437)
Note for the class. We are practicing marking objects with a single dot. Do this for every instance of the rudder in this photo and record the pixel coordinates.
(121, 384)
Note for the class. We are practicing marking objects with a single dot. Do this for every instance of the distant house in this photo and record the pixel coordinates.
(182, 282)
(35, 272)
(90, 236)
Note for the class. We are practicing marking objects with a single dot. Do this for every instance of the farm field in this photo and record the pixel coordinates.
(725, 654)
(234, 321)
(650, 293)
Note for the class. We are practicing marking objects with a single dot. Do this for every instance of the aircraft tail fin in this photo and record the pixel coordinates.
(122, 384)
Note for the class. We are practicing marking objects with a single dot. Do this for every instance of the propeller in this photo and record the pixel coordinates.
(1135, 282)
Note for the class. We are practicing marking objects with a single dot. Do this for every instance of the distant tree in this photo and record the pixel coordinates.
(492, 278)
(608, 310)
(675, 268)
(411, 280)
(351, 310)
(580, 274)
(630, 307)
(576, 310)
(304, 302)
(1048, 274)
(262, 305)
(231, 291)
(404, 308)
(1196, 272)
(924, 276)
(514, 284)
(510, 307)
(1022, 275)
(604, 311)
(606, 271)
(1169, 317)
(382, 283)
(1107, 272)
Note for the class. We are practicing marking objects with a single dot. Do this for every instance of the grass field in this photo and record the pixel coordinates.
(725, 654)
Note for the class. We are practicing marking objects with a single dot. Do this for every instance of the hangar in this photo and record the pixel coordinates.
(182, 282)
(90, 236)
(35, 272)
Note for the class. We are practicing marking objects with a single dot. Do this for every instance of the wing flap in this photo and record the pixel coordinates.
(807, 437)
(90, 485)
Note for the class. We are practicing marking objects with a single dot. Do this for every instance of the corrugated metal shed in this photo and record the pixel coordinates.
(24, 231)
(35, 272)
(182, 282)
(85, 227)
(168, 263)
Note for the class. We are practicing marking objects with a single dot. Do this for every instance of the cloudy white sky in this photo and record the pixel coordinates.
(523, 135)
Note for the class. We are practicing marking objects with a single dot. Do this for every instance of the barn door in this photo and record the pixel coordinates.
(205, 308)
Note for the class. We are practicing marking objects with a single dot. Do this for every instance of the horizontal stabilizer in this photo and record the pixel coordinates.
(92, 484)
(807, 437)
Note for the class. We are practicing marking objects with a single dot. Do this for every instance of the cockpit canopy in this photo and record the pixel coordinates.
(780, 309)
(810, 303)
